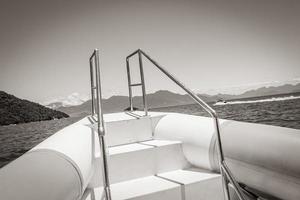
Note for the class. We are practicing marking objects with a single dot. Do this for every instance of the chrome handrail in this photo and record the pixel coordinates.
(97, 109)
(142, 84)
(227, 176)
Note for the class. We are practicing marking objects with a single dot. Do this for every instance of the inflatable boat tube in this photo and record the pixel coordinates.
(38, 173)
(263, 157)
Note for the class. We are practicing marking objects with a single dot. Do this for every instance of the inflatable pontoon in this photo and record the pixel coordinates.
(143, 155)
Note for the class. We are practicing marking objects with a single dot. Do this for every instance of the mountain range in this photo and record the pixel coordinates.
(272, 90)
(164, 98)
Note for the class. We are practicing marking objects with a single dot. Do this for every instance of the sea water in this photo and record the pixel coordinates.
(283, 111)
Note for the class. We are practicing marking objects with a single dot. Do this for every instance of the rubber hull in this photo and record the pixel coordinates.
(263, 157)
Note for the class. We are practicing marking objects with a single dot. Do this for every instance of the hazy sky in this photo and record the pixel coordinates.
(45, 45)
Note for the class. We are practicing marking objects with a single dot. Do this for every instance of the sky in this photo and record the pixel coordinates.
(45, 45)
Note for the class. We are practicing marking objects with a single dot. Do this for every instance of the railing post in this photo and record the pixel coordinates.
(143, 83)
(232, 180)
(92, 86)
(101, 129)
(221, 159)
(129, 84)
(225, 185)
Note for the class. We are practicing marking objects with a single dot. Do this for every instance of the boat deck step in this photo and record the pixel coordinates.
(141, 159)
(198, 183)
(184, 184)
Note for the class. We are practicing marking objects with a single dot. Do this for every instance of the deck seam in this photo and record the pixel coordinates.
(182, 185)
(151, 145)
(133, 115)
(132, 143)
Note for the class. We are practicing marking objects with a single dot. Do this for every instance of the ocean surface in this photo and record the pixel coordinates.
(283, 111)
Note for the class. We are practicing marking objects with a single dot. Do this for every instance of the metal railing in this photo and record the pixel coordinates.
(142, 83)
(227, 176)
(97, 110)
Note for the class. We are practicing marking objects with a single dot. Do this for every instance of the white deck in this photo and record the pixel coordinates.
(145, 168)
(156, 170)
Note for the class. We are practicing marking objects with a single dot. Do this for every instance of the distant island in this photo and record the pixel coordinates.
(16, 111)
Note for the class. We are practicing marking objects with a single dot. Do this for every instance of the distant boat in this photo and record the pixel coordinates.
(142, 155)
(220, 102)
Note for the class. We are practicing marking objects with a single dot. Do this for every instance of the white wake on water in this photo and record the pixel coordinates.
(258, 100)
